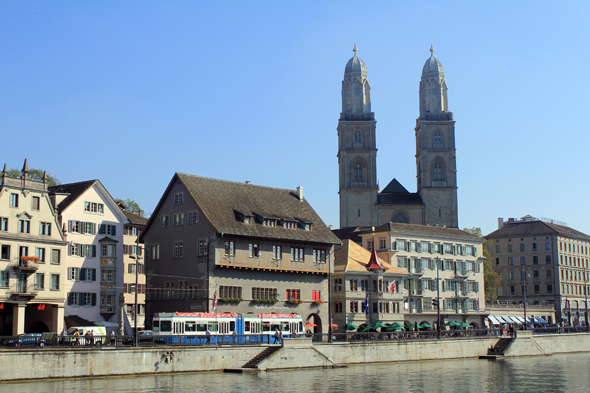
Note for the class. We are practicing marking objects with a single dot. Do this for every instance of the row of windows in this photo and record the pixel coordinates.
(40, 281)
(523, 247)
(24, 226)
(81, 274)
(87, 299)
(93, 207)
(563, 246)
(570, 289)
(523, 260)
(24, 252)
(536, 274)
(536, 289)
(418, 265)
(178, 219)
(378, 307)
(130, 288)
(132, 250)
(574, 275)
(170, 292)
(35, 201)
(132, 231)
(426, 247)
(573, 261)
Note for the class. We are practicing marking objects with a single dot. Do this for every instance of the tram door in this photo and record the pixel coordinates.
(255, 327)
(223, 327)
(293, 327)
(178, 328)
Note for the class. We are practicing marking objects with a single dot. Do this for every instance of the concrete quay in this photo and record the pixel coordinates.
(26, 364)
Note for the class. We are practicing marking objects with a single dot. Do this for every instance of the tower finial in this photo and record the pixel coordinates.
(431, 50)
(354, 50)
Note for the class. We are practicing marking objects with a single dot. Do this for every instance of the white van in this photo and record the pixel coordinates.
(99, 334)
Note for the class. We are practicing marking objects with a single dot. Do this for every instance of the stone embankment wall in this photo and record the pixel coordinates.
(532, 345)
(296, 353)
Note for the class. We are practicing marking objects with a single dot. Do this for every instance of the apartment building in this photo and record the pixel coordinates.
(133, 269)
(32, 266)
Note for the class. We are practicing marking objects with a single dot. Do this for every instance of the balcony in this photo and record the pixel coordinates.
(22, 289)
(461, 293)
(416, 270)
(461, 273)
(415, 310)
(415, 292)
(27, 264)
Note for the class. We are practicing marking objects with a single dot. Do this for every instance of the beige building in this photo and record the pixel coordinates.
(260, 249)
(360, 276)
(425, 251)
(32, 265)
(544, 261)
(133, 268)
(361, 203)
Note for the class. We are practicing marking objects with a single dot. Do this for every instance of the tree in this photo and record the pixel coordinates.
(36, 174)
(490, 277)
(130, 206)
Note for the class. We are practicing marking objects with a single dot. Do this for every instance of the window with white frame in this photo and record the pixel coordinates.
(277, 252)
(55, 282)
(298, 254)
(92, 207)
(177, 249)
(193, 217)
(165, 221)
(107, 229)
(179, 198)
(24, 226)
(229, 248)
(3, 224)
(13, 200)
(319, 255)
(41, 254)
(45, 229)
(202, 247)
(155, 252)
(178, 219)
(254, 250)
(39, 281)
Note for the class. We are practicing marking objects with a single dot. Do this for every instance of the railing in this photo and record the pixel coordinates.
(416, 270)
(405, 336)
(461, 293)
(415, 292)
(22, 289)
(560, 330)
(26, 265)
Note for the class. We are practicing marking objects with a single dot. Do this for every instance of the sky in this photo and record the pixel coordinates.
(132, 92)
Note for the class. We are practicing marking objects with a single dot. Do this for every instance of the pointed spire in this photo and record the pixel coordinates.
(374, 262)
(26, 166)
(44, 176)
(5, 170)
(354, 50)
(431, 50)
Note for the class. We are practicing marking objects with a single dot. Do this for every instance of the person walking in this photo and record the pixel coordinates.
(77, 336)
(208, 334)
(113, 339)
(276, 336)
(64, 335)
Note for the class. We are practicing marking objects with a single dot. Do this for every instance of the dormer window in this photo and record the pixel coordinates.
(307, 227)
(290, 224)
(247, 220)
(269, 223)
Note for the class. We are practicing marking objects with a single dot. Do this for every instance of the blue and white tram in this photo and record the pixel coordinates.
(191, 327)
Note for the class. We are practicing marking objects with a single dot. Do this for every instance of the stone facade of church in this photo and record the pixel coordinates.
(361, 203)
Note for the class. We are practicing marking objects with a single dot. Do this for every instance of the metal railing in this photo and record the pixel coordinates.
(397, 336)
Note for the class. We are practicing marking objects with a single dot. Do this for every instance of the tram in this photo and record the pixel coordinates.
(191, 327)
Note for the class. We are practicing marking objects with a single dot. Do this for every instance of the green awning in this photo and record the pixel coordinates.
(348, 326)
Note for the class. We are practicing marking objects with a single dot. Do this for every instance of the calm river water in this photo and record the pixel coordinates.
(559, 373)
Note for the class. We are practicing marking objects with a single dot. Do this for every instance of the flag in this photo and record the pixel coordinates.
(367, 305)
(477, 305)
(215, 299)
(393, 287)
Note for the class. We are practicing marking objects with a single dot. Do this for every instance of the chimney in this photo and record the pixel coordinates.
(300, 193)
(247, 181)
(500, 222)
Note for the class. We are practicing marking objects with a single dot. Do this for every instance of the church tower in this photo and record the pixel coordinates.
(435, 148)
(357, 151)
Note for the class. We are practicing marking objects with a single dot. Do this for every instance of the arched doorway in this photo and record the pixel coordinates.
(313, 319)
(39, 327)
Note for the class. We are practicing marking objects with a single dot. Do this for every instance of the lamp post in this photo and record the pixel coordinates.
(586, 298)
(524, 292)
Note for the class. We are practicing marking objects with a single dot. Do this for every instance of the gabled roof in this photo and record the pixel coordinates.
(219, 200)
(394, 186)
(351, 257)
(536, 228)
(351, 233)
(134, 218)
(74, 189)
(396, 194)
(411, 229)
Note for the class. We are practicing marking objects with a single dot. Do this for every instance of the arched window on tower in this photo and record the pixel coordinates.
(358, 138)
(437, 173)
(437, 139)
(400, 218)
(358, 173)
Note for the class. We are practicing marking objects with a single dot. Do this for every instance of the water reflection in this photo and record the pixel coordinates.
(559, 373)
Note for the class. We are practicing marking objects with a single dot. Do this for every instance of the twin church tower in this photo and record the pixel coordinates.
(361, 203)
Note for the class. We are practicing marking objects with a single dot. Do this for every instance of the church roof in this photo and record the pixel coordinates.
(355, 67)
(394, 186)
(432, 65)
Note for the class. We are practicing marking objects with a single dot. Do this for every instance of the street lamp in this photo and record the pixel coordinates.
(524, 292)
(586, 297)
(438, 333)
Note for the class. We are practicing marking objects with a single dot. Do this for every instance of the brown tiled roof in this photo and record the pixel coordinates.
(535, 228)
(396, 194)
(411, 229)
(220, 200)
(353, 258)
(351, 233)
(74, 189)
(134, 218)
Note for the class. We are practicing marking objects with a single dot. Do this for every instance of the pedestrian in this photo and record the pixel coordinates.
(208, 334)
(77, 335)
(91, 336)
(113, 339)
(276, 336)
(280, 336)
(234, 337)
(64, 334)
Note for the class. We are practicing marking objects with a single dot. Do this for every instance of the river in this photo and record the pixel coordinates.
(558, 373)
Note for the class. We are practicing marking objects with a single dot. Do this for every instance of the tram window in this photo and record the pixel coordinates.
(156, 326)
(266, 327)
(201, 327)
(274, 327)
(190, 326)
(247, 326)
(300, 326)
(232, 326)
(285, 326)
(165, 326)
(213, 327)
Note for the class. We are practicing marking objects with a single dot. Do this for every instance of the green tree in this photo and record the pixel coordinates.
(490, 277)
(36, 174)
(130, 206)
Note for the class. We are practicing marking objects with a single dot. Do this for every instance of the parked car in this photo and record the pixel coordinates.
(145, 337)
(27, 340)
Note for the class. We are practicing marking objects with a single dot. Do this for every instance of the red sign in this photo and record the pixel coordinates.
(1, 306)
(41, 307)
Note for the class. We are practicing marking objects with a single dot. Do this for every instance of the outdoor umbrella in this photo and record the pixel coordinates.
(452, 323)
(348, 326)
(465, 325)
(412, 326)
(310, 324)
(376, 325)
(334, 325)
(393, 327)
(424, 325)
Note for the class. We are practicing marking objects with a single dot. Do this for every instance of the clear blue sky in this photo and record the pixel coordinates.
(131, 92)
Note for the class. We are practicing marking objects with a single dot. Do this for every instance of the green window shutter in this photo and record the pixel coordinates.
(83, 274)
(93, 251)
(94, 299)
